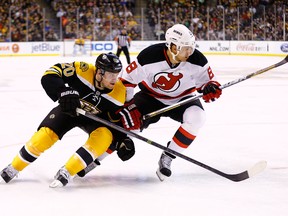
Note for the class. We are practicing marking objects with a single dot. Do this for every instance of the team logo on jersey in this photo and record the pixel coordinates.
(167, 82)
(84, 66)
(88, 107)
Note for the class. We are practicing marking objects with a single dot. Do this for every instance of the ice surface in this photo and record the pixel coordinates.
(246, 125)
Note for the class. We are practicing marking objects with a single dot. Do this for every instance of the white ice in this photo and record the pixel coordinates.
(246, 125)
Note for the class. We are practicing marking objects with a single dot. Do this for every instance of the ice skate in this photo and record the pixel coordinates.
(8, 173)
(61, 178)
(164, 169)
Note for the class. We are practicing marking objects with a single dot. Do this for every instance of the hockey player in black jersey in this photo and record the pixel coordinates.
(94, 88)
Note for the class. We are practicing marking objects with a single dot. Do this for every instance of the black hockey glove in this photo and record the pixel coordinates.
(211, 91)
(69, 100)
(125, 149)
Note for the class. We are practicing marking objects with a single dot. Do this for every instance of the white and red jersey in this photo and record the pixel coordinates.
(153, 72)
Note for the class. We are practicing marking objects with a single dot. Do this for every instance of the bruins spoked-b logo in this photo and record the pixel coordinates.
(84, 66)
(167, 81)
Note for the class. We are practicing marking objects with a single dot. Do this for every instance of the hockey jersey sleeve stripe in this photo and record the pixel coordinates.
(127, 84)
(144, 87)
(54, 70)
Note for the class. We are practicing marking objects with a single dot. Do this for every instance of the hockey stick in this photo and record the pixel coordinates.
(233, 82)
(257, 168)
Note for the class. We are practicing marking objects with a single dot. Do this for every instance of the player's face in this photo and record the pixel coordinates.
(184, 53)
(109, 79)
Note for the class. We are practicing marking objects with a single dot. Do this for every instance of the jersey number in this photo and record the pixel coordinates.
(68, 69)
(210, 73)
(131, 67)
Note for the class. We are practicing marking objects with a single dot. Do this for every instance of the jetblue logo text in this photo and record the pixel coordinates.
(45, 47)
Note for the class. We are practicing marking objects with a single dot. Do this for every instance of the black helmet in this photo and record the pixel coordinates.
(109, 62)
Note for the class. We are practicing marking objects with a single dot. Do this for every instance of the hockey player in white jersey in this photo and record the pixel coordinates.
(167, 73)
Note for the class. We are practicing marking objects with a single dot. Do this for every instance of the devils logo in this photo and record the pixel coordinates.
(167, 82)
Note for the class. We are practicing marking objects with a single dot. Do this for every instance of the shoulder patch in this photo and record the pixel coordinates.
(84, 66)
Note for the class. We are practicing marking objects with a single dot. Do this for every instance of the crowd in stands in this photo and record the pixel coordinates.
(258, 19)
(24, 20)
(97, 20)
(92, 19)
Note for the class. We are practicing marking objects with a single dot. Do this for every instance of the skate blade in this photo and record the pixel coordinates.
(56, 184)
(160, 175)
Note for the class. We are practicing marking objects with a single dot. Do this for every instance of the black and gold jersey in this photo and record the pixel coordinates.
(81, 77)
(80, 41)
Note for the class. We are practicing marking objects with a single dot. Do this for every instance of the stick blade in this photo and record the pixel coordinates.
(257, 168)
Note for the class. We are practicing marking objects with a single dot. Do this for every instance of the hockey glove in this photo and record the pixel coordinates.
(125, 149)
(211, 91)
(69, 100)
(130, 116)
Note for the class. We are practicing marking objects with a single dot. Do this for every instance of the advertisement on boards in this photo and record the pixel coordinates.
(276, 48)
